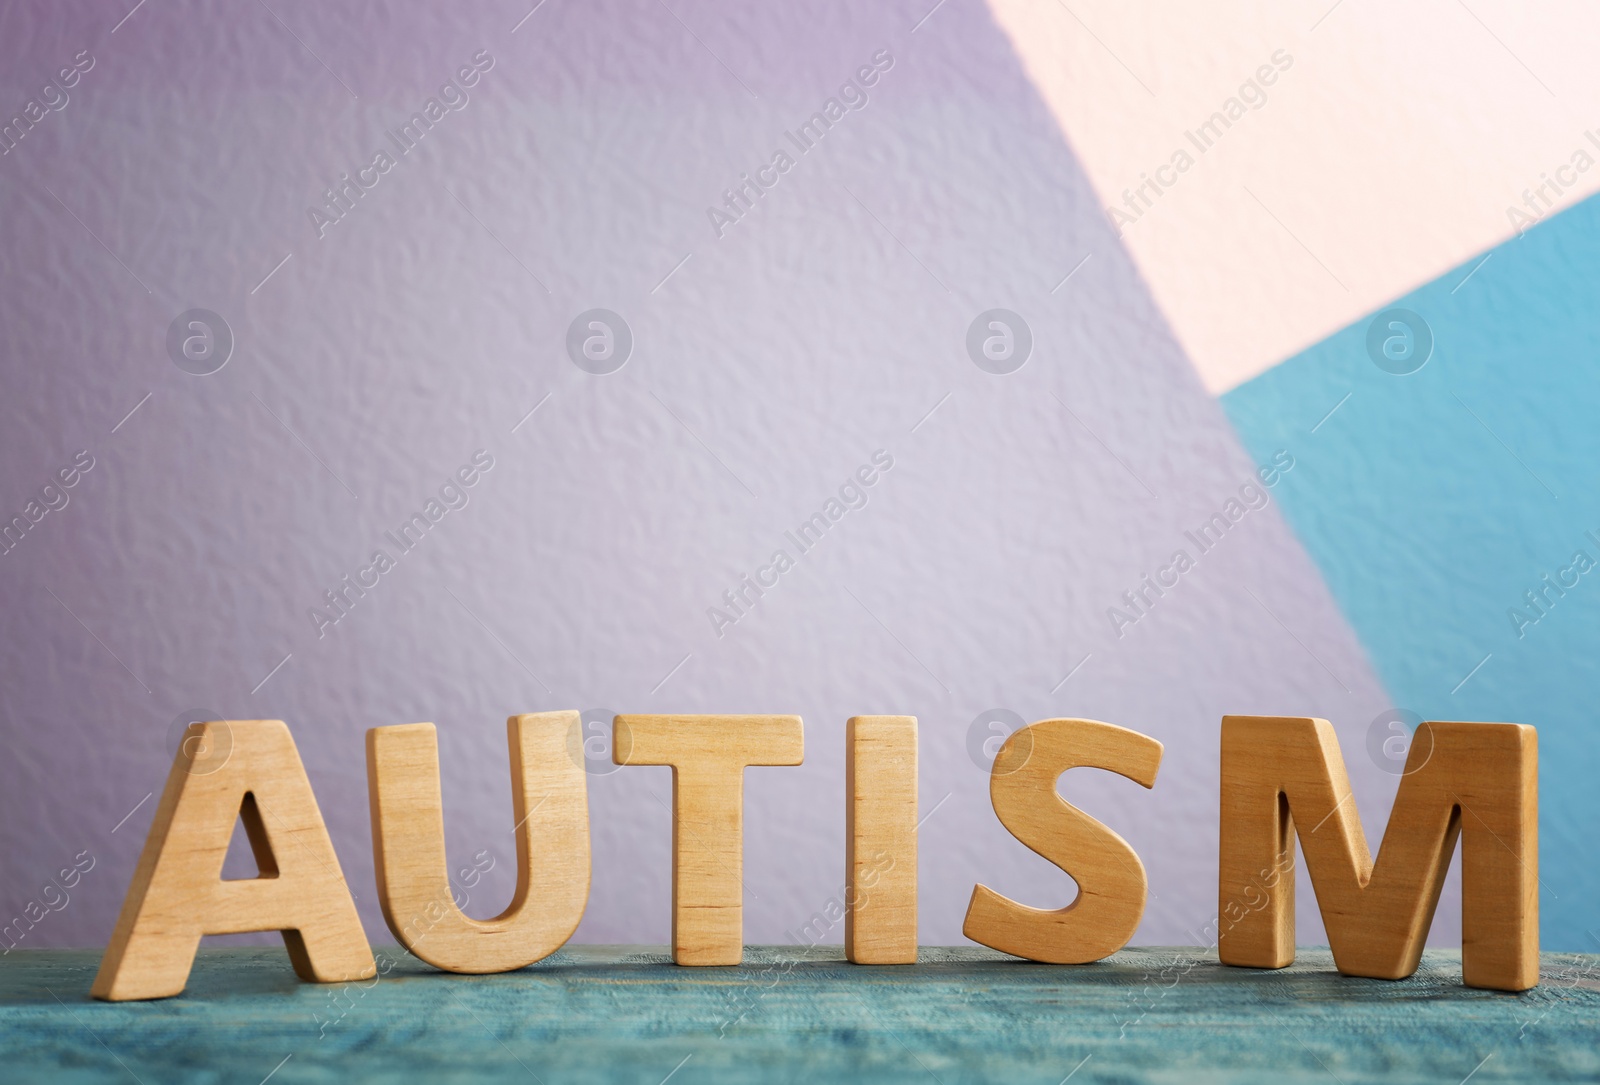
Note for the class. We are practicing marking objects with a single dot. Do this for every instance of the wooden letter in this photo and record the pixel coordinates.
(1477, 780)
(549, 802)
(1111, 879)
(880, 840)
(708, 755)
(224, 771)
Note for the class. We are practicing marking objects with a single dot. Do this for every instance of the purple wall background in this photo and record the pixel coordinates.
(775, 360)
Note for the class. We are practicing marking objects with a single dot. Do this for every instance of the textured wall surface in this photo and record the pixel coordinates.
(1455, 514)
(771, 359)
(1381, 145)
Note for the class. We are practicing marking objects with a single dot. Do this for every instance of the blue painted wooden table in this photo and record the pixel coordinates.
(625, 1014)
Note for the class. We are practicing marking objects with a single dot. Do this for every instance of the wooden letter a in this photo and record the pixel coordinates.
(225, 771)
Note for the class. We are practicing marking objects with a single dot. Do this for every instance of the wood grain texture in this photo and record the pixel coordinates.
(708, 755)
(1111, 879)
(224, 771)
(550, 813)
(623, 1015)
(880, 839)
(1285, 775)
